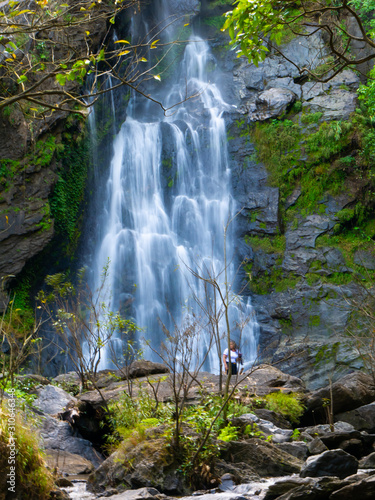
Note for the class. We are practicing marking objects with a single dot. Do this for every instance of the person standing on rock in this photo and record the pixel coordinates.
(235, 358)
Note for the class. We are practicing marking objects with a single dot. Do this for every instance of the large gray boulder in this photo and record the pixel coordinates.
(268, 376)
(53, 400)
(361, 490)
(350, 392)
(330, 463)
(362, 418)
(271, 103)
(139, 494)
(295, 488)
(265, 458)
(337, 105)
(59, 436)
(68, 463)
(298, 449)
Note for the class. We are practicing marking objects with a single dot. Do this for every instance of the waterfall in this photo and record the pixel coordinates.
(163, 209)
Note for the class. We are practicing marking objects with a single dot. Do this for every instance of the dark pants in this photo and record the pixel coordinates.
(234, 369)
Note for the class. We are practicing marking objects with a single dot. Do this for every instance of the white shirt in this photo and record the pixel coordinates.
(233, 355)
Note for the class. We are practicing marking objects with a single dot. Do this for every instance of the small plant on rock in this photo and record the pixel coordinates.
(289, 405)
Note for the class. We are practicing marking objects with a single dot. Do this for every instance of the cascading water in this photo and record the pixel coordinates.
(167, 200)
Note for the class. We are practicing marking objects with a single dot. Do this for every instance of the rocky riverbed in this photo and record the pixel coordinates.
(315, 460)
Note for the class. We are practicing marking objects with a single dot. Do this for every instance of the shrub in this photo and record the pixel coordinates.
(289, 405)
(33, 480)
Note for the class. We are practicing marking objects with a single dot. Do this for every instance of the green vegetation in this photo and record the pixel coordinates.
(144, 421)
(289, 405)
(252, 23)
(67, 198)
(216, 22)
(33, 479)
(269, 245)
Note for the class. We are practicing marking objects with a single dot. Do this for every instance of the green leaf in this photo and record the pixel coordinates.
(61, 79)
(22, 79)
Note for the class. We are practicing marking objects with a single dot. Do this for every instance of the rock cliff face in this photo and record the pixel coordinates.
(301, 274)
(30, 167)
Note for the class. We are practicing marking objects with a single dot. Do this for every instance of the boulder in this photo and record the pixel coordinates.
(139, 494)
(68, 463)
(219, 496)
(298, 449)
(350, 392)
(337, 105)
(315, 489)
(270, 376)
(303, 488)
(53, 400)
(147, 464)
(271, 103)
(367, 462)
(37, 379)
(265, 458)
(362, 490)
(58, 435)
(316, 446)
(263, 426)
(241, 472)
(324, 429)
(362, 418)
(330, 463)
(351, 442)
(273, 417)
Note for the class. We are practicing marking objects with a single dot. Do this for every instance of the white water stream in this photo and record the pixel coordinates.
(164, 207)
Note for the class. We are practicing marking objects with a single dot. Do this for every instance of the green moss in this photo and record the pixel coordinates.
(267, 244)
(309, 118)
(274, 280)
(67, 198)
(329, 140)
(314, 320)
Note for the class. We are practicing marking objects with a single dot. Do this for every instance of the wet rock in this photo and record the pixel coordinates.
(53, 400)
(63, 482)
(297, 449)
(367, 462)
(316, 446)
(315, 489)
(284, 486)
(271, 103)
(330, 463)
(219, 496)
(266, 459)
(363, 490)
(259, 211)
(138, 494)
(68, 463)
(227, 482)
